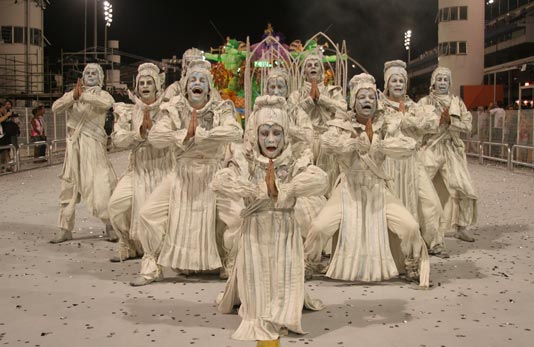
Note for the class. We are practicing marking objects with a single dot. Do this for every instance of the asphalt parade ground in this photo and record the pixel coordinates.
(71, 295)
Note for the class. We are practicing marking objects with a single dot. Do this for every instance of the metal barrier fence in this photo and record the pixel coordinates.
(507, 139)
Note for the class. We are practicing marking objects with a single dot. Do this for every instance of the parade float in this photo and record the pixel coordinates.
(240, 68)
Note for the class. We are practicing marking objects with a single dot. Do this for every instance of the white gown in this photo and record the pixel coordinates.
(87, 173)
(268, 277)
(330, 101)
(188, 235)
(445, 155)
(147, 165)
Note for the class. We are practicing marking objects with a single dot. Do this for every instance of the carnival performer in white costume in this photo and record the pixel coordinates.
(361, 207)
(320, 102)
(148, 166)
(268, 278)
(179, 87)
(412, 185)
(177, 222)
(445, 154)
(301, 133)
(87, 173)
(397, 106)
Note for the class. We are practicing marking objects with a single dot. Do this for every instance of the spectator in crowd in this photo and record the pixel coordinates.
(38, 133)
(15, 119)
(9, 131)
(108, 127)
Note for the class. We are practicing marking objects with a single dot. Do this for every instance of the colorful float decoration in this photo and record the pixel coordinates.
(240, 68)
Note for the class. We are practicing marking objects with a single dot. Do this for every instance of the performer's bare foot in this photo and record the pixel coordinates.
(62, 236)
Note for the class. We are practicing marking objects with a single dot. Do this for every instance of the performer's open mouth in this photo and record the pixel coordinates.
(197, 91)
(271, 148)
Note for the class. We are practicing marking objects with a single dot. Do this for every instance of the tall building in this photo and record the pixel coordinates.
(488, 42)
(21, 47)
(461, 41)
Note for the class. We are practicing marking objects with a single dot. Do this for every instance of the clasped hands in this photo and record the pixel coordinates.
(146, 124)
(445, 117)
(314, 91)
(78, 89)
(193, 124)
(270, 180)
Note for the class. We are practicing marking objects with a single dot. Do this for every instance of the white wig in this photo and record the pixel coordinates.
(98, 69)
(152, 70)
(394, 67)
(441, 70)
(270, 110)
(361, 81)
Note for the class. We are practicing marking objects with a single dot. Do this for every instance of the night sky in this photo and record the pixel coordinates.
(156, 29)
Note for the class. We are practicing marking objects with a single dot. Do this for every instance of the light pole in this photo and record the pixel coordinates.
(85, 33)
(96, 31)
(407, 39)
(490, 2)
(108, 16)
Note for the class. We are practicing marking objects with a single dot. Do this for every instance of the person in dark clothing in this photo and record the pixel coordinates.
(9, 130)
(108, 127)
(15, 119)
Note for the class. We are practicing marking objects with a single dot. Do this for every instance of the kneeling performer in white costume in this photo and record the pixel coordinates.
(177, 222)
(148, 165)
(361, 207)
(268, 276)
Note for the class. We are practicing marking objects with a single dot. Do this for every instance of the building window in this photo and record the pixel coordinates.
(35, 35)
(462, 47)
(443, 48)
(7, 34)
(453, 47)
(463, 12)
(454, 13)
(446, 14)
(18, 36)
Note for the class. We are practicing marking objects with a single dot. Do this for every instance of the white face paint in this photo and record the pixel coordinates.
(312, 70)
(90, 77)
(271, 140)
(146, 88)
(365, 104)
(197, 89)
(442, 84)
(277, 87)
(396, 86)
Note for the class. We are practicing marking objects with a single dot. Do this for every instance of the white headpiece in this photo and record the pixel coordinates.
(361, 81)
(152, 70)
(394, 67)
(202, 66)
(276, 72)
(98, 69)
(315, 55)
(190, 55)
(441, 70)
(270, 110)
